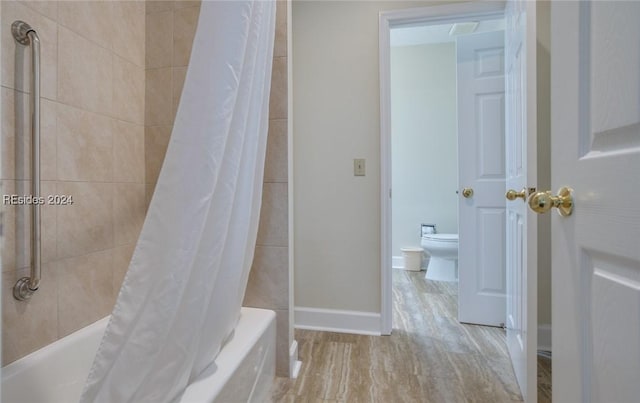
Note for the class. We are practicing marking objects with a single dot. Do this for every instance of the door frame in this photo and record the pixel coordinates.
(439, 14)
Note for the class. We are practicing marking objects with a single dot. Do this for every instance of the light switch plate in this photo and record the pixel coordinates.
(358, 167)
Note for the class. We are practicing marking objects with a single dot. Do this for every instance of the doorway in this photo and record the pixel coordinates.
(447, 132)
(520, 80)
(426, 113)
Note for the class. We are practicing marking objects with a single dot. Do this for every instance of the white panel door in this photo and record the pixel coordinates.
(521, 226)
(595, 129)
(481, 228)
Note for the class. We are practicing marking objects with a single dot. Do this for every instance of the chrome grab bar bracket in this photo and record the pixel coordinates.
(20, 29)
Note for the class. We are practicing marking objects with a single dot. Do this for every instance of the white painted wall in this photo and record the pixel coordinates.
(423, 141)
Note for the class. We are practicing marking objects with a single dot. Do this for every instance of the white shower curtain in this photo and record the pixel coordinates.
(182, 294)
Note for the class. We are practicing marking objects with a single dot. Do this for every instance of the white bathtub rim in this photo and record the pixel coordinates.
(246, 333)
(29, 361)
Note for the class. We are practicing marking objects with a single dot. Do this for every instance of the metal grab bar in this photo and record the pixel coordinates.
(25, 35)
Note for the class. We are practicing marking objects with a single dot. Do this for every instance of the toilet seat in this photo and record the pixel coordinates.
(441, 237)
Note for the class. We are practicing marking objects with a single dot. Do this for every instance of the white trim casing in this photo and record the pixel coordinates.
(337, 320)
(388, 19)
(294, 363)
(386, 281)
(397, 262)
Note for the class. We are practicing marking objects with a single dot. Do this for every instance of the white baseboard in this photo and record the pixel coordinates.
(335, 320)
(294, 364)
(544, 337)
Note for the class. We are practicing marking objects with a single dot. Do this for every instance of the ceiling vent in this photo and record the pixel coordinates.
(463, 28)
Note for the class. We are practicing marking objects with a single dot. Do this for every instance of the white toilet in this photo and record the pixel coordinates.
(443, 263)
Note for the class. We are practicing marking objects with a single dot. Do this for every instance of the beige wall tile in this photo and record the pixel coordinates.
(129, 31)
(121, 259)
(273, 229)
(282, 342)
(157, 6)
(85, 145)
(85, 290)
(93, 20)
(85, 73)
(16, 226)
(48, 140)
(16, 134)
(128, 152)
(48, 9)
(280, 42)
(276, 164)
(106, 214)
(11, 51)
(159, 49)
(28, 325)
(179, 74)
(128, 212)
(149, 189)
(87, 225)
(185, 3)
(16, 222)
(49, 61)
(278, 100)
(48, 222)
(268, 285)
(185, 21)
(128, 91)
(17, 56)
(158, 97)
(156, 140)
(100, 74)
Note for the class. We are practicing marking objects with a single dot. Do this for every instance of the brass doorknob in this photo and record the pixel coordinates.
(467, 192)
(512, 194)
(541, 202)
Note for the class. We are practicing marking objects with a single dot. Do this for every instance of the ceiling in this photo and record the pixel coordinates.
(427, 34)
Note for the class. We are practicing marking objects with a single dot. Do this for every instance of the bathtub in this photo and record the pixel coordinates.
(243, 372)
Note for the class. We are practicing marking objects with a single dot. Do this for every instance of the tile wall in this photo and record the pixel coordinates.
(92, 112)
(109, 98)
(170, 30)
(268, 285)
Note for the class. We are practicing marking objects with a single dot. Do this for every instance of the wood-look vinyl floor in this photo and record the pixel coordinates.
(429, 357)
(544, 379)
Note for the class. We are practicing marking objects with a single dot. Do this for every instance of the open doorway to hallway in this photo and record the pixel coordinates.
(487, 222)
